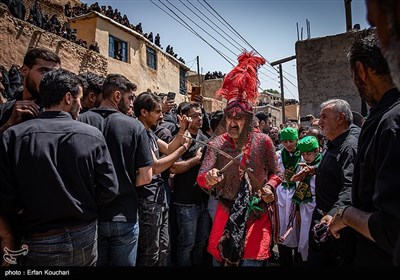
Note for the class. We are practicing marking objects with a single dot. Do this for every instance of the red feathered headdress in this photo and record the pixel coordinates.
(240, 86)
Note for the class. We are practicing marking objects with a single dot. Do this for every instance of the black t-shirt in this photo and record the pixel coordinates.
(186, 190)
(7, 108)
(206, 122)
(172, 127)
(128, 144)
(58, 171)
(335, 172)
(155, 191)
(165, 135)
(95, 118)
(376, 186)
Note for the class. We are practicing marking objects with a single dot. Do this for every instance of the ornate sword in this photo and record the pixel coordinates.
(234, 160)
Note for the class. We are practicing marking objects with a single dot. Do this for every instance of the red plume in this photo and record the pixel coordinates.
(242, 82)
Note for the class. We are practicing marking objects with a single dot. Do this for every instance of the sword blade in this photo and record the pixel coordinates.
(247, 170)
(208, 145)
(222, 170)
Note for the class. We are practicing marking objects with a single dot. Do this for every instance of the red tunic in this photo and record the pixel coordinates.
(262, 159)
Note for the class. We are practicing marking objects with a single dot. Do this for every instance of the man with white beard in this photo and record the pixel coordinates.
(385, 15)
(375, 209)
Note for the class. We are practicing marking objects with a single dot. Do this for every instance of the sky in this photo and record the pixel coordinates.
(217, 31)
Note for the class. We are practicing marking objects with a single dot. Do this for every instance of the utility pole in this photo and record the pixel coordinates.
(198, 70)
(279, 62)
(347, 7)
(282, 94)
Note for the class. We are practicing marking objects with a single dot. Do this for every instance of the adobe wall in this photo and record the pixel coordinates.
(323, 72)
(18, 36)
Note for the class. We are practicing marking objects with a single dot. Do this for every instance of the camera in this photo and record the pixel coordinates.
(195, 91)
(306, 118)
(171, 95)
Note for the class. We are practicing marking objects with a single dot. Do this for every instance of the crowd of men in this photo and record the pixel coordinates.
(214, 75)
(53, 24)
(38, 18)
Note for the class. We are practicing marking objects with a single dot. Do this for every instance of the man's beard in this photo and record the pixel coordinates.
(392, 57)
(364, 92)
(31, 87)
(74, 111)
(122, 107)
(265, 130)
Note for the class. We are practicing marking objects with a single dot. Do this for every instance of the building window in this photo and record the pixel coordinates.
(118, 49)
(151, 58)
(182, 81)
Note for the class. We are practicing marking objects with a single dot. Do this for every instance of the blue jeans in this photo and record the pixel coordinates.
(154, 237)
(118, 243)
(75, 246)
(194, 224)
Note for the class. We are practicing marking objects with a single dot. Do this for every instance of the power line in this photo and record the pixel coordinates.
(287, 73)
(216, 24)
(193, 62)
(217, 17)
(238, 34)
(194, 32)
(228, 27)
(289, 91)
(209, 24)
(289, 81)
(233, 30)
(185, 24)
(202, 30)
(199, 26)
(194, 59)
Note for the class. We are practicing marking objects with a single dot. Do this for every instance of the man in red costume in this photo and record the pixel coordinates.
(240, 166)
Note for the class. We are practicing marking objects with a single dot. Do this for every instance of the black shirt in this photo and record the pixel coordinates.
(129, 147)
(186, 190)
(171, 126)
(334, 174)
(96, 116)
(155, 191)
(165, 135)
(376, 184)
(54, 172)
(7, 108)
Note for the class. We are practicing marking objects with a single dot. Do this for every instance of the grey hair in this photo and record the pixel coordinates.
(340, 106)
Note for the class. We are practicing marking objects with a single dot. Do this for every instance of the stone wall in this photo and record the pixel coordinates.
(292, 112)
(212, 104)
(323, 72)
(18, 36)
(208, 90)
(209, 87)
